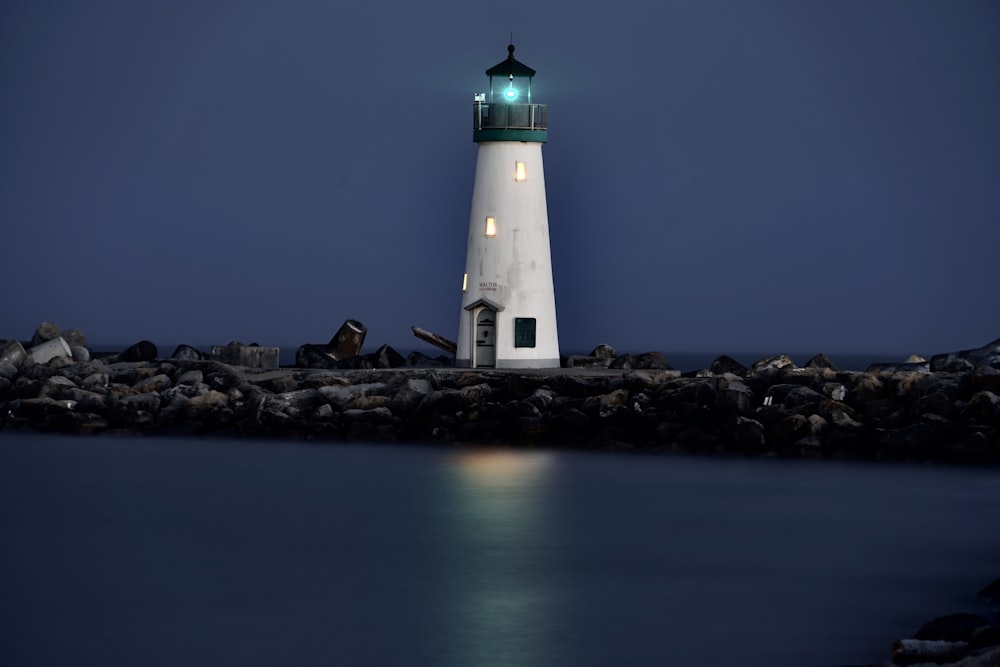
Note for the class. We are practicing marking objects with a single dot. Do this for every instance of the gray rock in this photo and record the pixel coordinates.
(75, 338)
(409, 395)
(13, 352)
(191, 377)
(8, 370)
(45, 352)
(80, 354)
(46, 331)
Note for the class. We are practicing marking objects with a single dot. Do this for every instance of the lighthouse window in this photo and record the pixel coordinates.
(465, 282)
(524, 332)
(491, 226)
(520, 175)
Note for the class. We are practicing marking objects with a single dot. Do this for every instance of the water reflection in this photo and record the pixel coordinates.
(500, 604)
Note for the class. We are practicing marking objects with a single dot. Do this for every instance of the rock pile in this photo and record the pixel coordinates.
(773, 408)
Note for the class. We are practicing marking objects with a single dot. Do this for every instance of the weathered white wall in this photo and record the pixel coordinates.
(514, 268)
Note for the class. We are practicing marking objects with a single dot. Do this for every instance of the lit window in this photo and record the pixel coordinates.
(520, 175)
(465, 282)
(491, 226)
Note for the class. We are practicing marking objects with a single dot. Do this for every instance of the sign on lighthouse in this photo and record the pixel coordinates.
(508, 317)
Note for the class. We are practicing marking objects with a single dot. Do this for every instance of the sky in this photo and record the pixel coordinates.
(722, 175)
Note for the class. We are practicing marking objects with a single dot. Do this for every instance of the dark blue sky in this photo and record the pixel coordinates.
(722, 176)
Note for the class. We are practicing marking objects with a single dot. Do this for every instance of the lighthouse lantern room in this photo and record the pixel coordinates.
(508, 317)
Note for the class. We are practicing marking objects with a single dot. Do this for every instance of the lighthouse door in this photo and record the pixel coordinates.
(486, 334)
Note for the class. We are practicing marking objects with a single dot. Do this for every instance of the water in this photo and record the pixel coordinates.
(157, 551)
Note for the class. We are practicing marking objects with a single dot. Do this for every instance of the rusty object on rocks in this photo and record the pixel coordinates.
(435, 340)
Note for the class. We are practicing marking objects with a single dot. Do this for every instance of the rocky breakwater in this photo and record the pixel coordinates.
(773, 408)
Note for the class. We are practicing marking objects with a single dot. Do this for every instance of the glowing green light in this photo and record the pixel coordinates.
(510, 93)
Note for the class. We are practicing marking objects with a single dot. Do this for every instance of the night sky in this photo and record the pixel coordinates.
(722, 176)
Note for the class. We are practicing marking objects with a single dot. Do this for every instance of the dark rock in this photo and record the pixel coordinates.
(794, 395)
(967, 360)
(733, 396)
(387, 357)
(952, 628)
(772, 364)
(645, 361)
(918, 367)
(13, 352)
(726, 364)
(419, 359)
(8, 370)
(188, 353)
(80, 354)
(821, 361)
(409, 395)
(46, 331)
(789, 429)
(578, 361)
(314, 356)
(144, 350)
(603, 351)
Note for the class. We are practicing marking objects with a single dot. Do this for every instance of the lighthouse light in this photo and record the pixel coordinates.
(520, 175)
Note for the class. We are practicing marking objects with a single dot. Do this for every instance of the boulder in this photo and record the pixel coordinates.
(409, 395)
(45, 332)
(386, 357)
(314, 356)
(49, 350)
(733, 396)
(772, 364)
(726, 364)
(603, 351)
(967, 360)
(188, 353)
(80, 354)
(821, 361)
(13, 352)
(144, 350)
(75, 338)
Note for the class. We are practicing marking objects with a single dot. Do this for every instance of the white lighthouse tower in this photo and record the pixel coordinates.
(508, 317)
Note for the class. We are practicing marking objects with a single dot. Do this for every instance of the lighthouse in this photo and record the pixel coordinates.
(508, 317)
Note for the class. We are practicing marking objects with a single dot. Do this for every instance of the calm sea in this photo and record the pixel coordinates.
(161, 551)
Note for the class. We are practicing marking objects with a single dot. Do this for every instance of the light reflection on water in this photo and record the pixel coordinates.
(166, 552)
